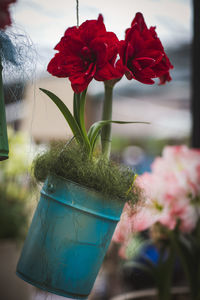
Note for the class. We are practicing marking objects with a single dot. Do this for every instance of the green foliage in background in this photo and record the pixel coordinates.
(14, 189)
(135, 246)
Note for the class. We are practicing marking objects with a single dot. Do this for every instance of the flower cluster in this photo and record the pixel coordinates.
(5, 19)
(171, 195)
(86, 52)
(143, 55)
(90, 51)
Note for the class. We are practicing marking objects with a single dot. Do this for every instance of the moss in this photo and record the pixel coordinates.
(71, 162)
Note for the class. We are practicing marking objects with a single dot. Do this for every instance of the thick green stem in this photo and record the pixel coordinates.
(164, 290)
(165, 273)
(183, 261)
(79, 115)
(3, 128)
(107, 115)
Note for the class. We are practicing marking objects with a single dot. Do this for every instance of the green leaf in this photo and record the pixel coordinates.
(96, 128)
(67, 115)
(75, 107)
(82, 112)
(79, 114)
(82, 116)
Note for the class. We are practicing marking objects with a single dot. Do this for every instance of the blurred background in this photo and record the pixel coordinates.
(37, 27)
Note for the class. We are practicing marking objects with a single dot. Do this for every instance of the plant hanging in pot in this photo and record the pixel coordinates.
(84, 192)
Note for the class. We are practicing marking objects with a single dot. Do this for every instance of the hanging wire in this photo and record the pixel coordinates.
(77, 12)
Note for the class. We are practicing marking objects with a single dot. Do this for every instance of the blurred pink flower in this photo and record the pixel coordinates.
(181, 163)
(167, 195)
(124, 227)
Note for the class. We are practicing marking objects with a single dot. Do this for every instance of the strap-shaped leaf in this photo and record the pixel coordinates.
(82, 116)
(75, 107)
(79, 115)
(67, 115)
(82, 112)
(97, 126)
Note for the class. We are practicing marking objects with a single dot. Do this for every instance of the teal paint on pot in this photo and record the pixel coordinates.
(68, 238)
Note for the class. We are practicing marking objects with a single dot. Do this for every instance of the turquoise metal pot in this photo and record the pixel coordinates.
(68, 238)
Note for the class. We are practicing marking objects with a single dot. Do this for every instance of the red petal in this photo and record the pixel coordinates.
(122, 48)
(143, 54)
(80, 83)
(139, 19)
(129, 74)
(70, 46)
(99, 47)
(60, 66)
(164, 78)
(92, 29)
(144, 62)
(154, 44)
(100, 18)
(54, 67)
(113, 45)
(145, 80)
(91, 70)
(146, 73)
(136, 40)
(72, 31)
(108, 72)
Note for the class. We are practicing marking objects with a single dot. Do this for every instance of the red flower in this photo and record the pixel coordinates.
(143, 55)
(86, 52)
(5, 19)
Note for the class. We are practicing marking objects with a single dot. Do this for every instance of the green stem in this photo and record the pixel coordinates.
(107, 115)
(3, 127)
(185, 265)
(79, 115)
(164, 278)
(165, 293)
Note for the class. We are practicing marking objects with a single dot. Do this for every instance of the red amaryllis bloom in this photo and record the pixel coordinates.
(143, 55)
(86, 52)
(5, 19)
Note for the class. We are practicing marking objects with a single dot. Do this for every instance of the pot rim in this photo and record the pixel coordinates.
(111, 208)
(87, 189)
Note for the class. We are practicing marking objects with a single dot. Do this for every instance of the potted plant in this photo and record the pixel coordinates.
(170, 198)
(84, 191)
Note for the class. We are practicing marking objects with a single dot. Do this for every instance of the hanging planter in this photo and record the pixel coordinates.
(68, 238)
(73, 225)
(74, 222)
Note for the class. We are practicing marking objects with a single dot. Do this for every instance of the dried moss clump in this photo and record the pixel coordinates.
(72, 163)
